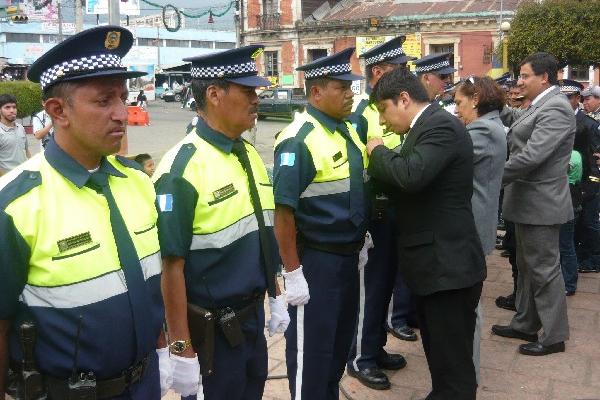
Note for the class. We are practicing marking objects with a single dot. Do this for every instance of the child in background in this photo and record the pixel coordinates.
(147, 163)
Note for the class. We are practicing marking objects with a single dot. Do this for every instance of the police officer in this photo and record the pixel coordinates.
(367, 356)
(216, 232)
(320, 223)
(435, 73)
(79, 255)
(591, 101)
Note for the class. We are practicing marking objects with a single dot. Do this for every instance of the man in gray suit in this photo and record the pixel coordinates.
(537, 199)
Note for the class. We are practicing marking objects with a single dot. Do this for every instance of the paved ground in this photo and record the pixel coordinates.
(506, 375)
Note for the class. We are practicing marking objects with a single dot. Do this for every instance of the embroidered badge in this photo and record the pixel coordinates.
(337, 156)
(74, 241)
(165, 202)
(287, 159)
(112, 41)
(225, 191)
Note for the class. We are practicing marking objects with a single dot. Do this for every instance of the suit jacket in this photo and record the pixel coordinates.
(431, 181)
(489, 156)
(540, 140)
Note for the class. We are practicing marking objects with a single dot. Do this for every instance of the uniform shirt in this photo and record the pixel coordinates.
(323, 217)
(196, 180)
(59, 263)
(13, 146)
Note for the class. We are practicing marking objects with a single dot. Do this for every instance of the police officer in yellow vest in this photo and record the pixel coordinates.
(216, 232)
(367, 357)
(79, 256)
(320, 223)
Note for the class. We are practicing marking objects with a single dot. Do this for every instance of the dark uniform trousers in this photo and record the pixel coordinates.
(589, 234)
(376, 286)
(239, 373)
(450, 355)
(327, 322)
(402, 309)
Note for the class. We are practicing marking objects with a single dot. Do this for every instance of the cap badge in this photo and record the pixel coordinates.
(60, 73)
(112, 41)
(221, 74)
(326, 71)
(257, 53)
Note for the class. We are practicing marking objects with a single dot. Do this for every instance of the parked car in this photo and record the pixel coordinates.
(172, 94)
(281, 102)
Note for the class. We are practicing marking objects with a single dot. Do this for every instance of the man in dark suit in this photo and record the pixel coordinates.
(431, 180)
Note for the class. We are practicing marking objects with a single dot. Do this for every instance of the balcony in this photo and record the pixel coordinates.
(268, 22)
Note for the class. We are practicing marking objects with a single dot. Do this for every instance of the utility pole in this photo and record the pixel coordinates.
(114, 15)
(238, 23)
(158, 44)
(60, 20)
(78, 16)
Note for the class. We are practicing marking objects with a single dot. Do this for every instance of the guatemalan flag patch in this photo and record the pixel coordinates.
(287, 159)
(165, 202)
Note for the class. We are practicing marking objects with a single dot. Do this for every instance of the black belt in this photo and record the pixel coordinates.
(242, 313)
(344, 249)
(58, 389)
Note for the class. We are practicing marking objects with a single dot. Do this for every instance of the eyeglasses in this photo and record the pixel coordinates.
(443, 77)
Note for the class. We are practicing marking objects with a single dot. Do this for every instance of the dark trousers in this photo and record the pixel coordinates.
(588, 234)
(402, 308)
(376, 285)
(510, 244)
(320, 333)
(447, 322)
(568, 256)
(239, 373)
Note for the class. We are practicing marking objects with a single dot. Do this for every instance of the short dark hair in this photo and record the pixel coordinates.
(142, 158)
(541, 63)
(7, 99)
(199, 87)
(392, 83)
(491, 96)
(321, 82)
(61, 90)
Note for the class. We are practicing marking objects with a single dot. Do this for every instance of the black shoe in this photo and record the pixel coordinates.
(537, 349)
(507, 331)
(391, 361)
(403, 333)
(371, 377)
(569, 292)
(505, 254)
(586, 269)
(506, 302)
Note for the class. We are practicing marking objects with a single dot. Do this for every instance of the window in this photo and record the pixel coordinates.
(580, 72)
(267, 94)
(487, 53)
(315, 54)
(22, 38)
(203, 44)
(271, 63)
(224, 45)
(177, 43)
(148, 42)
(50, 39)
(282, 95)
(443, 48)
(269, 7)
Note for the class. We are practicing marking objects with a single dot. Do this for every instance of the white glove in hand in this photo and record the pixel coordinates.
(186, 375)
(280, 319)
(165, 367)
(296, 288)
(363, 256)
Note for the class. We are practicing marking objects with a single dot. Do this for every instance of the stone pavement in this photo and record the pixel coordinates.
(505, 374)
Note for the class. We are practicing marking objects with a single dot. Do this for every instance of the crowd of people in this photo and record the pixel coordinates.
(380, 213)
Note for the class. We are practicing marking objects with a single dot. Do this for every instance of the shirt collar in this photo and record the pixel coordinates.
(539, 96)
(215, 138)
(71, 169)
(368, 90)
(7, 128)
(329, 123)
(412, 123)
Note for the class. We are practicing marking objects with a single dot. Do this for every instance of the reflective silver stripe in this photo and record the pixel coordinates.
(228, 235)
(87, 292)
(324, 188)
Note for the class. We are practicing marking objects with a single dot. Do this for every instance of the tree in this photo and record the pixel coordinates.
(28, 94)
(568, 29)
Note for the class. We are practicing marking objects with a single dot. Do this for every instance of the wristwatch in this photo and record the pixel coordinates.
(179, 346)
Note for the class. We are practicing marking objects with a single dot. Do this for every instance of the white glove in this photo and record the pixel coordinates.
(296, 288)
(363, 256)
(186, 375)
(165, 367)
(280, 319)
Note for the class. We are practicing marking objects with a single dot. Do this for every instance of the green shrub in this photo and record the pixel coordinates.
(28, 94)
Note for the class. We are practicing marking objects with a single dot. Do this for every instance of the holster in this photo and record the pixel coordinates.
(202, 327)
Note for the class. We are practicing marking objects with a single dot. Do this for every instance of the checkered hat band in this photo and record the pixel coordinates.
(385, 56)
(224, 71)
(79, 65)
(432, 67)
(569, 89)
(329, 70)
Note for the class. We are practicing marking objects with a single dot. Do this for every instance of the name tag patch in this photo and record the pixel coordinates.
(225, 191)
(73, 242)
(165, 202)
(337, 156)
(287, 159)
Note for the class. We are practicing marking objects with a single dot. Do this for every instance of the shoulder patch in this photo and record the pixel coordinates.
(126, 162)
(19, 186)
(185, 153)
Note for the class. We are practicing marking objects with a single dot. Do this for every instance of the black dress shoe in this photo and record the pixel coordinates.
(403, 333)
(506, 302)
(371, 377)
(585, 270)
(507, 331)
(569, 292)
(505, 254)
(537, 349)
(391, 361)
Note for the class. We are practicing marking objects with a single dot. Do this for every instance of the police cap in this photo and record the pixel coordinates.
(389, 52)
(434, 63)
(336, 66)
(569, 86)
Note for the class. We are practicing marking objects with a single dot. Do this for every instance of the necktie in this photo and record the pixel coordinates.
(357, 187)
(240, 152)
(130, 264)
